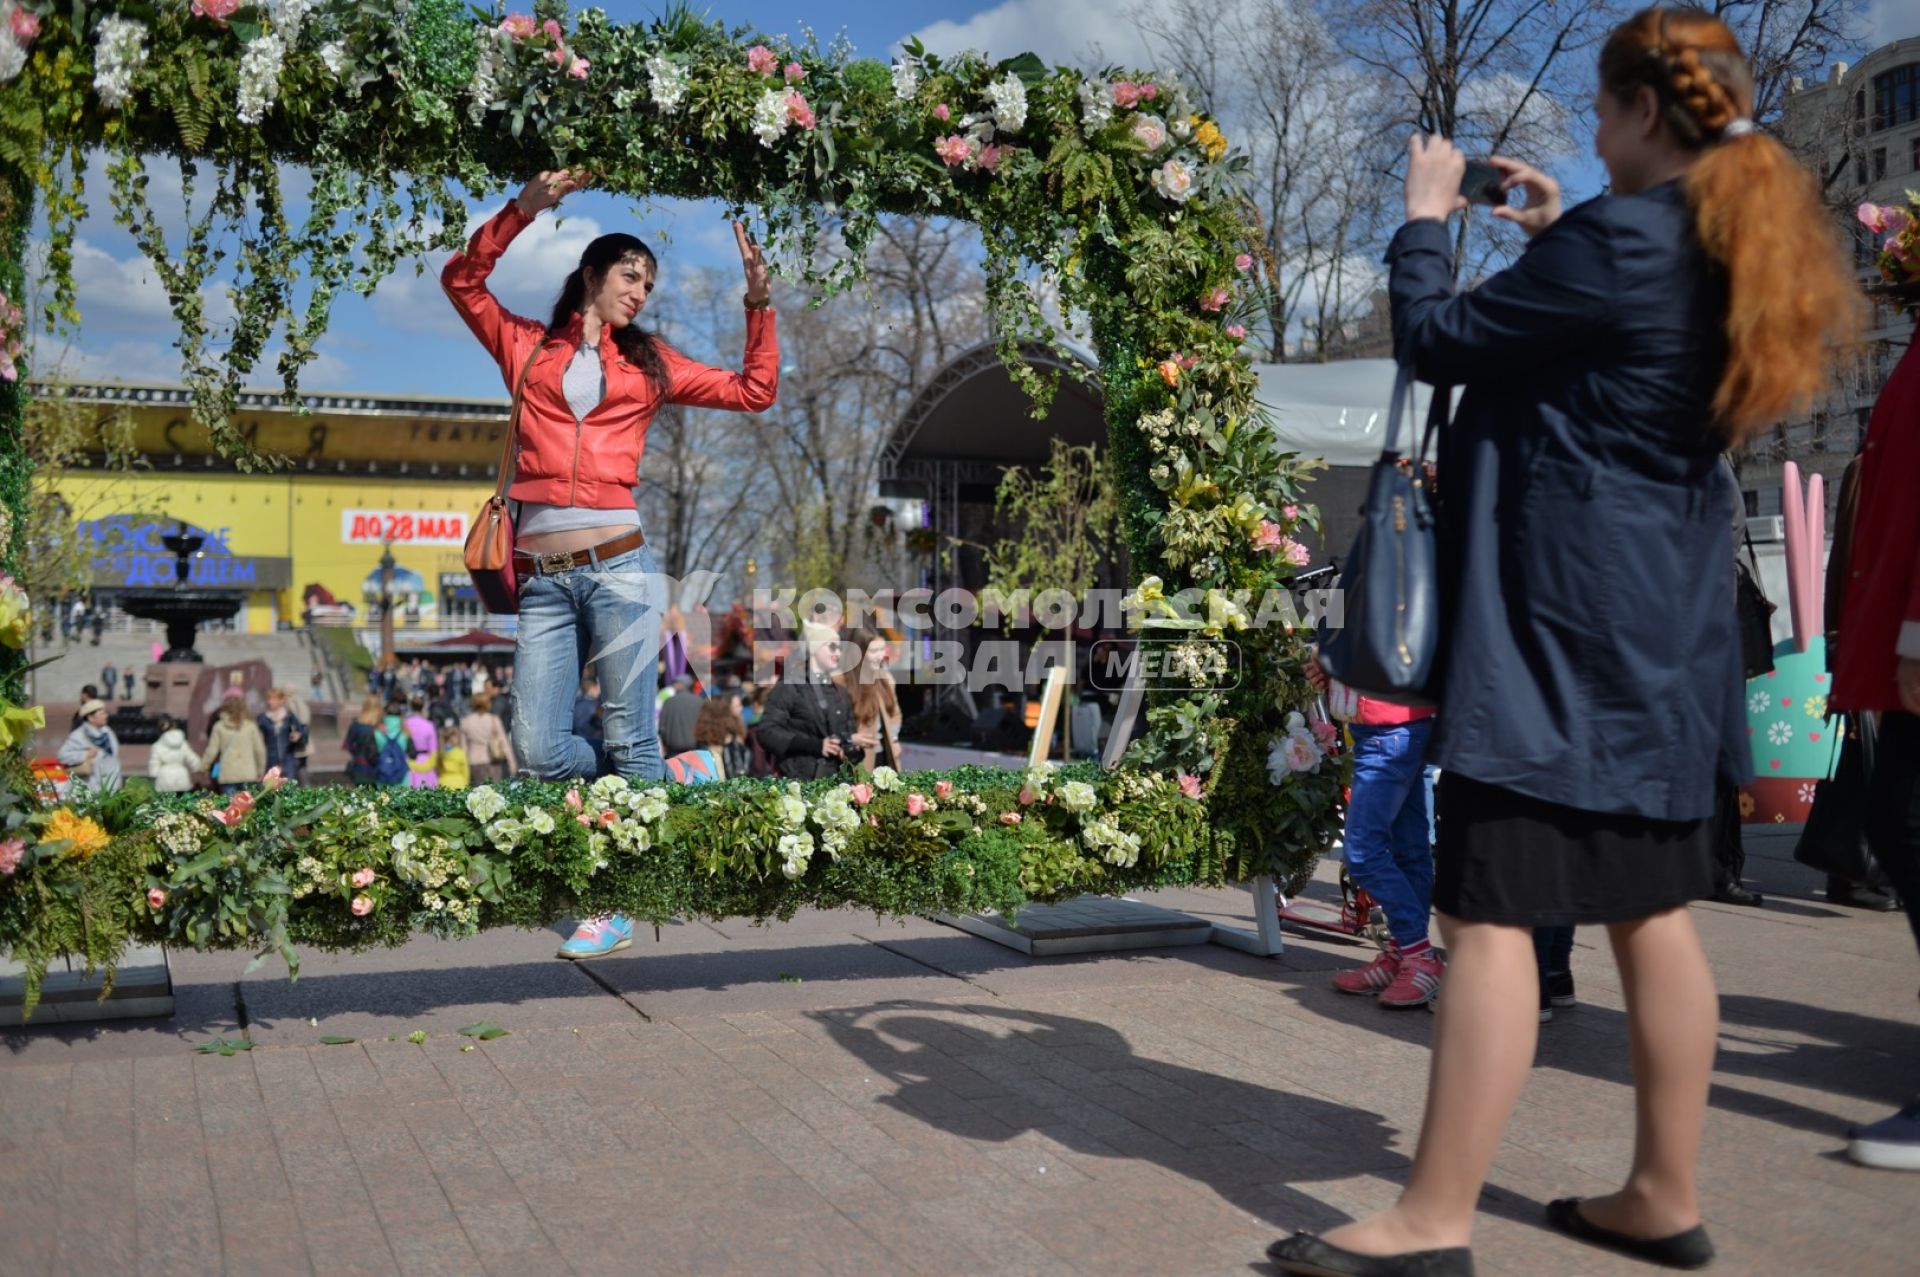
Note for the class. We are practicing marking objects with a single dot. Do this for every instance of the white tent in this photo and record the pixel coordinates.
(1338, 411)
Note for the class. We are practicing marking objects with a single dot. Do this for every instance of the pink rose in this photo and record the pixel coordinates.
(579, 68)
(608, 817)
(798, 111)
(573, 799)
(1190, 786)
(1216, 300)
(272, 780)
(156, 898)
(1324, 733)
(586, 821)
(1237, 331)
(955, 150)
(1267, 537)
(1243, 262)
(241, 802)
(363, 877)
(558, 57)
(943, 113)
(1295, 553)
(989, 158)
(1149, 132)
(552, 27)
(1871, 216)
(943, 789)
(1027, 797)
(25, 26)
(1009, 817)
(795, 73)
(1896, 219)
(215, 10)
(1289, 512)
(1149, 91)
(520, 26)
(862, 794)
(10, 853)
(1126, 93)
(361, 906)
(916, 805)
(760, 60)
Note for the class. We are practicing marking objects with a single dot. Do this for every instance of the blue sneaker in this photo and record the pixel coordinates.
(597, 937)
(1892, 1143)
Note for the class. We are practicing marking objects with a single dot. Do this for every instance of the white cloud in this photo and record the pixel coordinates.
(1890, 20)
(1082, 33)
(139, 362)
(526, 279)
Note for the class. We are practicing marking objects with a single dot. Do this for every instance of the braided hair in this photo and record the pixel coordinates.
(1756, 210)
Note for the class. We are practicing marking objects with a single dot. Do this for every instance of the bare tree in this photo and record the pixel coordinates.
(1789, 39)
(1307, 116)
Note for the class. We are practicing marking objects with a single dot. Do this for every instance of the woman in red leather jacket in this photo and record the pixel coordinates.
(590, 382)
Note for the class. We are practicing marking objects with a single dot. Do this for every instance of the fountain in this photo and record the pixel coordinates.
(174, 683)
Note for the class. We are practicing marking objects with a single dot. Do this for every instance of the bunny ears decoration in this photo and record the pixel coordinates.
(1806, 529)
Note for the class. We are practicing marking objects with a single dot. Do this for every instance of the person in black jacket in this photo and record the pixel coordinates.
(808, 724)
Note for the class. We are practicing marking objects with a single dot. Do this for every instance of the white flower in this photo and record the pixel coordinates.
(13, 58)
(1096, 106)
(120, 52)
(1779, 733)
(906, 78)
(795, 846)
(606, 789)
(1294, 751)
(506, 833)
(885, 778)
(489, 70)
(1038, 777)
(1806, 792)
(333, 55)
(1106, 840)
(667, 80)
(770, 117)
(403, 842)
(484, 803)
(1174, 180)
(793, 810)
(794, 869)
(1758, 702)
(1149, 132)
(289, 16)
(260, 76)
(1078, 796)
(1009, 97)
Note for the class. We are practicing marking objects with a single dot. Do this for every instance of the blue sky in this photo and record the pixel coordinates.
(406, 338)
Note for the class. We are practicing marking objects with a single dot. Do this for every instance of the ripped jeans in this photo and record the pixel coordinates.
(606, 615)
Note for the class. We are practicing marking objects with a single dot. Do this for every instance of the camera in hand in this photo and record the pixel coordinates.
(851, 752)
(1481, 184)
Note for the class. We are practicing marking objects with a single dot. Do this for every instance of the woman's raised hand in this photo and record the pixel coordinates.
(548, 189)
(1542, 207)
(759, 291)
(1434, 171)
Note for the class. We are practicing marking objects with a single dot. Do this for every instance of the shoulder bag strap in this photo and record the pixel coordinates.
(513, 421)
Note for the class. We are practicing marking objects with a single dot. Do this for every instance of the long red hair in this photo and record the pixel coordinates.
(1756, 209)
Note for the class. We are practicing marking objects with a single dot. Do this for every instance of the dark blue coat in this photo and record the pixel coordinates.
(1588, 654)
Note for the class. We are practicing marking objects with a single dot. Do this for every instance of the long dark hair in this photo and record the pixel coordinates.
(640, 347)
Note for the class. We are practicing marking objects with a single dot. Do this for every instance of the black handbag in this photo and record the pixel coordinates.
(1834, 839)
(1756, 615)
(1381, 639)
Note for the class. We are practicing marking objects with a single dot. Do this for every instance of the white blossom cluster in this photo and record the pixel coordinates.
(885, 779)
(120, 50)
(489, 70)
(1009, 97)
(770, 117)
(1078, 797)
(668, 81)
(260, 67)
(796, 853)
(289, 16)
(179, 833)
(1112, 844)
(1096, 106)
(906, 78)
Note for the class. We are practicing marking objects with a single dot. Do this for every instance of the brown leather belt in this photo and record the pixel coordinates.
(567, 560)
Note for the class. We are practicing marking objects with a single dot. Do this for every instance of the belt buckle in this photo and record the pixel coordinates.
(559, 561)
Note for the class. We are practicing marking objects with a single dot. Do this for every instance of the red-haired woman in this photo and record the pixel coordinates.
(1591, 680)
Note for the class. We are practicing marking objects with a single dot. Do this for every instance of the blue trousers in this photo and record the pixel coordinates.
(1387, 846)
(1553, 950)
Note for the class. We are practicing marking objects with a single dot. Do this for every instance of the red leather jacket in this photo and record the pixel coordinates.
(1880, 618)
(592, 463)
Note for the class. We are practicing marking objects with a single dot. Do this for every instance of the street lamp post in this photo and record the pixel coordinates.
(386, 604)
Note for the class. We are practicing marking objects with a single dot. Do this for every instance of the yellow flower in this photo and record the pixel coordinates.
(1209, 138)
(86, 837)
(19, 723)
(15, 613)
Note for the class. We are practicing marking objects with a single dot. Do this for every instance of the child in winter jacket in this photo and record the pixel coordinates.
(172, 762)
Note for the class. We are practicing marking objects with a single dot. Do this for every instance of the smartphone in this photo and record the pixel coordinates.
(1481, 184)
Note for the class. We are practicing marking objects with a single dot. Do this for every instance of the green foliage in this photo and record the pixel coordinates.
(1063, 520)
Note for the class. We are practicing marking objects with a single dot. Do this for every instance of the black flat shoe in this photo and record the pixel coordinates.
(1733, 893)
(1854, 896)
(1690, 1249)
(1308, 1256)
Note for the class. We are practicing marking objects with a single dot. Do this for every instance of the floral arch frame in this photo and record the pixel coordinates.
(1113, 188)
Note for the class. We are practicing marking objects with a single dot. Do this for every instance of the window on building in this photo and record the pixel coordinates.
(1860, 105)
(1818, 432)
(1896, 97)
(1913, 152)
(1859, 170)
(1879, 162)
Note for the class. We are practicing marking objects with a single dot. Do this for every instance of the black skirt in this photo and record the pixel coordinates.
(1504, 857)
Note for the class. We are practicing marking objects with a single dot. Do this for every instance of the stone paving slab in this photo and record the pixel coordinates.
(920, 1102)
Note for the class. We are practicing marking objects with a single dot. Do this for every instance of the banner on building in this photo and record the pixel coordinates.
(403, 527)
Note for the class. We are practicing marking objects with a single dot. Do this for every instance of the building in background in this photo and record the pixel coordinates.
(1860, 131)
(303, 538)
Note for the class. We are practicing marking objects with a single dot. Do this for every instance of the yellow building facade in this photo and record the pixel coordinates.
(357, 475)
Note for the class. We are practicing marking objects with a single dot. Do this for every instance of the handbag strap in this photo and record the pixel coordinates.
(1438, 410)
(513, 421)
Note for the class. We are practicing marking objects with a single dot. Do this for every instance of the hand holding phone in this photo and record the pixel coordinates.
(1481, 184)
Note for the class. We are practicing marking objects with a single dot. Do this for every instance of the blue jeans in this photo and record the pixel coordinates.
(607, 615)
(1553, 950)
(1386, 840)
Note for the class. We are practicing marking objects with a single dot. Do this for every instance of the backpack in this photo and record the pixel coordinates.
(390, 764)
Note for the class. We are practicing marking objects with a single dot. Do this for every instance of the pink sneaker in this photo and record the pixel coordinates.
(1372, 978)
(1416, 983)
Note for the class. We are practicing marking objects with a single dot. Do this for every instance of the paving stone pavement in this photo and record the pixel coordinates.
(839, 1095)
